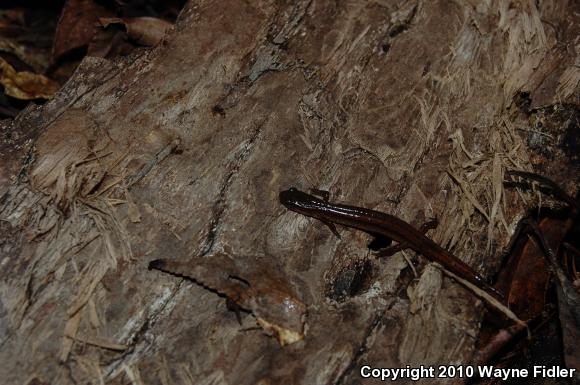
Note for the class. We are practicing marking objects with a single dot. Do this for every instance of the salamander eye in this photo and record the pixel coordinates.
(292, 189)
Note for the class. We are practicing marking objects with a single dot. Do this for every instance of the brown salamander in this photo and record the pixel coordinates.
(375, 222)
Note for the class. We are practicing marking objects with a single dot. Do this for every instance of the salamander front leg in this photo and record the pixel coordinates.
(332, 227)
(325, 195)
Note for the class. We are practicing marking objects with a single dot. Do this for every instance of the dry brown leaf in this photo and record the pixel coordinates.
(26, 36)
(147, 31)
(25, 85)
(76, 26)
(525, 277)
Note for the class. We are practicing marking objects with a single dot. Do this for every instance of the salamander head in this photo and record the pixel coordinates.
(299, 201)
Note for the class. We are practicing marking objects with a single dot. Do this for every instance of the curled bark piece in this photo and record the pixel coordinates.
(253, 286)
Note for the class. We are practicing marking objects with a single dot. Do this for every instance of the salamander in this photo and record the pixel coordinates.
(375, 222)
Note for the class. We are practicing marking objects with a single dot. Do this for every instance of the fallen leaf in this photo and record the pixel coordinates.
(27, 34)
(25, 85)
(526, 276)
(77, 26)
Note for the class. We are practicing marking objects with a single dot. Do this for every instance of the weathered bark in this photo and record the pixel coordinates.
(180, 152)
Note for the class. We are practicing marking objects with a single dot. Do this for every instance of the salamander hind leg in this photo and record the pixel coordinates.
(388, 251)
(332, 227)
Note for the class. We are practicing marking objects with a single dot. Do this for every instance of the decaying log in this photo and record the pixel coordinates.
(415, 108)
